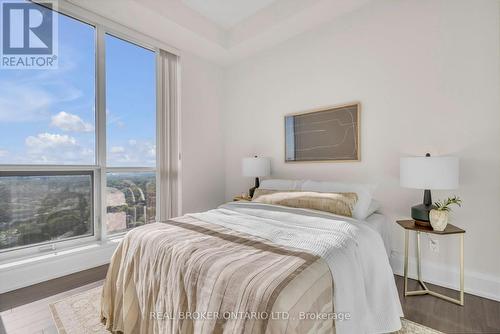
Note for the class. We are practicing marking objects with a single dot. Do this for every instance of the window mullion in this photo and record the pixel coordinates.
(101, 131)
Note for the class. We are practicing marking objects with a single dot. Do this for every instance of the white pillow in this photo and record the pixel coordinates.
(374, 207)
(277, 184)
(364, 192)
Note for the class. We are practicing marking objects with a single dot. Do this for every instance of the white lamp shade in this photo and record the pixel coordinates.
(438, 173)
(256, 167)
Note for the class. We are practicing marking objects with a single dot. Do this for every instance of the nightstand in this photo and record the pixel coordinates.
(409, 225)
(241, 198)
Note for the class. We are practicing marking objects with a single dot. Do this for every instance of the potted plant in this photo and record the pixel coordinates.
(440, 215)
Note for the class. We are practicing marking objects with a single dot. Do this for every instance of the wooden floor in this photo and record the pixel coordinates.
(478, 315)
(46, 289)
(25, 311)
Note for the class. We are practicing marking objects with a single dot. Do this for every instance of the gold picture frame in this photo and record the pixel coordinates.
(329, 134)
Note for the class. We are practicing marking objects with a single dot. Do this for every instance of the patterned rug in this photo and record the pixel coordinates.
(79, 314)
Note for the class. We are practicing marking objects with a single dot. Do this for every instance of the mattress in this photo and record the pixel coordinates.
(351, 275)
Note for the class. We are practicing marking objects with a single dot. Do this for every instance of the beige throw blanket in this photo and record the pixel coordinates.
(189, 276)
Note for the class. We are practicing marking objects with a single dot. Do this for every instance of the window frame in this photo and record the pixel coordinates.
(53, 245)
(101, 122)
(99, 170)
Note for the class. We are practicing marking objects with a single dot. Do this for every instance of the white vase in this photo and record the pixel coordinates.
(439, 219)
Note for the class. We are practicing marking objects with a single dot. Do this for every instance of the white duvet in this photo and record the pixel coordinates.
(363, 280)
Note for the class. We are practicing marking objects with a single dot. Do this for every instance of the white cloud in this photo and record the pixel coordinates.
(152, 151)
(23, 103)
(3, 153)
(31, 100)
(112, 119)
(70, 122)
(136, 153)
(117, 149)
(47, 140)
(57, 149)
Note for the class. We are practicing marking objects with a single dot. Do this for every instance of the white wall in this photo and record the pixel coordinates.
(427, 75)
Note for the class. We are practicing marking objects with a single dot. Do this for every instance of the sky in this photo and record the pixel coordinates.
(48, 116)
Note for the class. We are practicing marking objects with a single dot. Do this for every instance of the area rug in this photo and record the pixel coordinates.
(79, 314)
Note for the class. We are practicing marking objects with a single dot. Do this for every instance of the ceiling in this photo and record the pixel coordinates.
(223, 31)
(227, 13)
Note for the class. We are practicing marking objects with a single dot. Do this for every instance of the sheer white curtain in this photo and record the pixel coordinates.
(168, 142)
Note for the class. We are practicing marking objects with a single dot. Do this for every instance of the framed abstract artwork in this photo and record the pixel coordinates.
(325, 134)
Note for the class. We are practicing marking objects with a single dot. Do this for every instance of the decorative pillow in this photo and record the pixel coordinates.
(337, 203)
(364, 192)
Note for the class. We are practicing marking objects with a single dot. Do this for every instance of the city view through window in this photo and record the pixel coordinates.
(48, 119)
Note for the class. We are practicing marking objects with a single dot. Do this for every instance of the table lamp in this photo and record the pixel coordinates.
(428, 173)
(256, 167)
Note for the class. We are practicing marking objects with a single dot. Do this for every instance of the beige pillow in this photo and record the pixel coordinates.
(337, 203)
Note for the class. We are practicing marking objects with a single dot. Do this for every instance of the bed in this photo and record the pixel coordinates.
(249, 267)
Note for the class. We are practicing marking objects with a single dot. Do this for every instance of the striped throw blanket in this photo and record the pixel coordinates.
(191, 276)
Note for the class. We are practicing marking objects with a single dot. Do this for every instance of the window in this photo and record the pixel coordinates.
(130, 104)
(47, 115)
(66, 176)
(131, 200)
(47, 118)
(44, 207)
(131, 134)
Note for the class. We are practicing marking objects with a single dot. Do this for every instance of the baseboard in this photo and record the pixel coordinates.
(35, 272)
(478, 284)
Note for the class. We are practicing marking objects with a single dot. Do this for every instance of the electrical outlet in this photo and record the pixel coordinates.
(434, 245)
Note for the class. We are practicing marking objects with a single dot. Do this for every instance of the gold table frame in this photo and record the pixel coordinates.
(426, 290)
